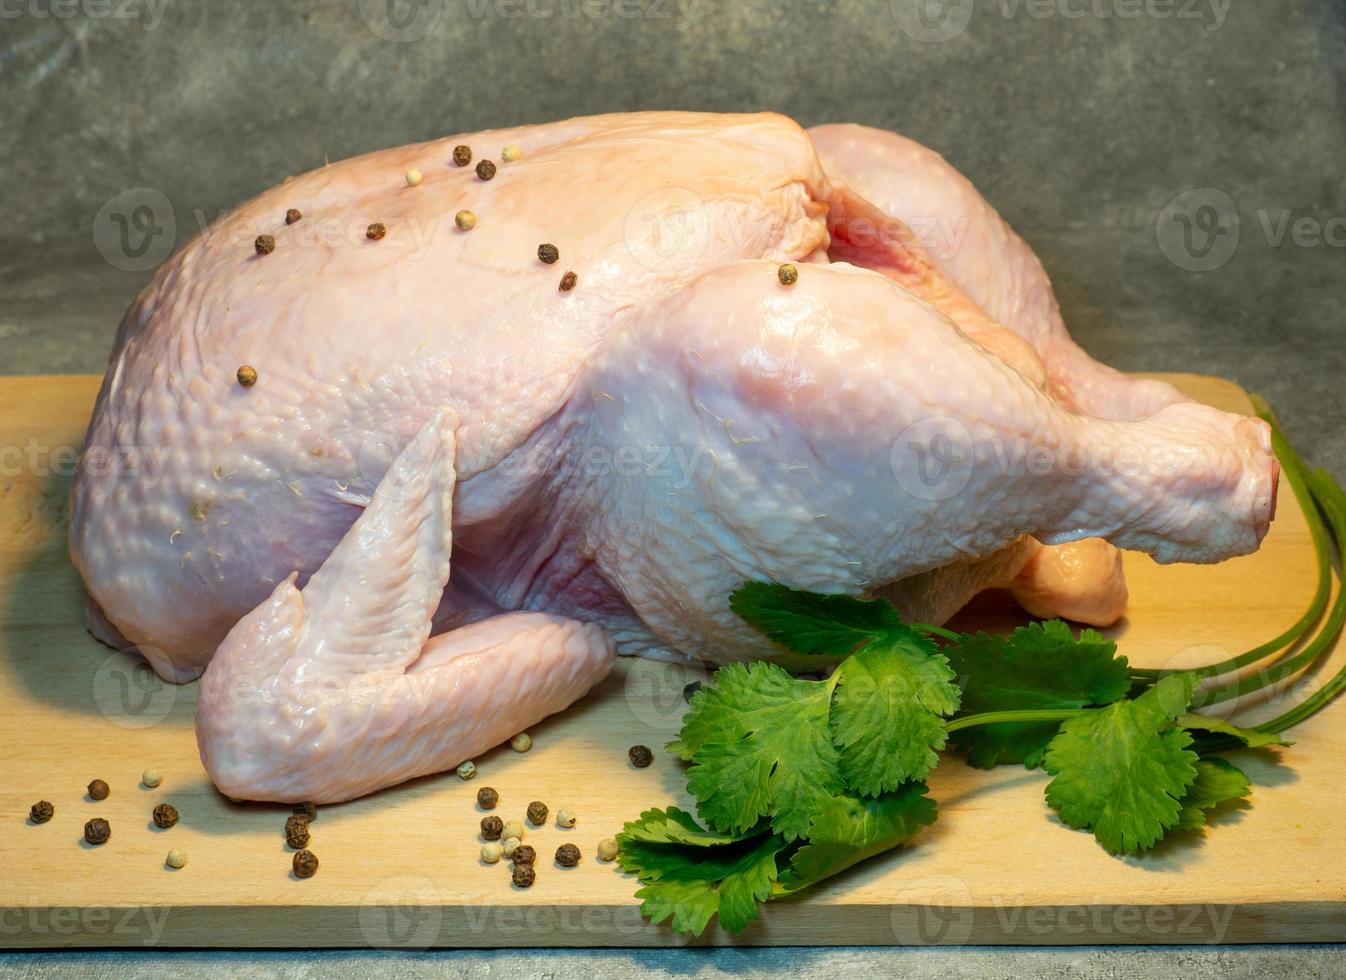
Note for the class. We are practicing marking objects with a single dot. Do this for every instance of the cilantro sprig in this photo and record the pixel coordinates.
(796, 780)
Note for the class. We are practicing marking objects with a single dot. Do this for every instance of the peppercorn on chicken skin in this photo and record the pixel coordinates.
(470, 469)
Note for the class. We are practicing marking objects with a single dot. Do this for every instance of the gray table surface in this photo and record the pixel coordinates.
(1180, 166)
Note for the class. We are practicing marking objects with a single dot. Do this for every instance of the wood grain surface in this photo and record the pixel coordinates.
(400, 869)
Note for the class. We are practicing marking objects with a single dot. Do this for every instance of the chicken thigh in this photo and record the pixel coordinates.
(453, 460)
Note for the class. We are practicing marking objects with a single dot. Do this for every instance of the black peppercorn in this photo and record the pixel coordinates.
(376, 231)
(537, 813)
(265, 244)
(487, 798)
(524, 854)
(462, 155)
(689, 690)
(523, 875)
(305, 864)
(98, 790)
(568, 282)
(640, 756)
(548, 253)
(97, 831)
(296, 831)
(567, 855)
(486, 170)
(306, 810)
(165, 815)
(491, 827)
(41, 812)
(787, 274)
(293, 215)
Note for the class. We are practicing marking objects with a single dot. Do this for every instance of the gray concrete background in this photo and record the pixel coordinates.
(1180, 166)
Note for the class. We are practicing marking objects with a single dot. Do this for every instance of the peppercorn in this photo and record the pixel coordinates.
(98, 790)
(293, 215)
(265, 244)
(492, 827)
(176, 858)
(568, 282)
(165, 815)
(465, 220)
(689, 690)
(41, 812)
(467, 770)
(151, 778)
(247, 375)
(510, 153)
(513, 828)
(413, 177)
(296, 831)
(305, 864)
(607, 849)
(510, 845)
(97, 831)
(565, 817)
(521, 742)
(487, 798)
(787, 274)
(640, 756)
(567, 855)
(523, 876)
(524, 854)
(486, 170)
(307, 810)
(376, 231)
(548, 253)
(537, 813)
(490, 853)
(462, 155)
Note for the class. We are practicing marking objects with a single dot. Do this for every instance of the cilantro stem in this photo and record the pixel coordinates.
(1019, 717)
(1293, 467)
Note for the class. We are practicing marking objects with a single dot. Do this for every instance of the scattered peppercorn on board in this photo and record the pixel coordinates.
(402, 868)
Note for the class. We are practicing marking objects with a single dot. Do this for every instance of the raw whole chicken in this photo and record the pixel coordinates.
(457, 488)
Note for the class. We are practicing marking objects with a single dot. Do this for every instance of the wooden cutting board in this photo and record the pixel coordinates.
(400, 869)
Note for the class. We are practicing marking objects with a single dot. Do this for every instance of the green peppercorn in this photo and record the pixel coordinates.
(567, 855)
(548, 253)
(524, 854)
(568, 282)
(510, 153)
(98, 790)
(293, 215)
(41, 812)
(307, 810)
(537, 813)
(296, 832)
(97, 831)
(787, 274)
(491, 827)
(376, 231)
(247, 375)
(465, 220)
(305, 864)
(487, 798)
(640, 756)
(523, 876)
(165, 815)
(462, 155)
(467, 770)
(486, 170)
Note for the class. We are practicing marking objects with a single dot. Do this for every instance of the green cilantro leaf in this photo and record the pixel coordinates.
(1250, 737)
(1041, 666)
(1122, 771)
(812, 623)
(886, 718)
(847, 830)
(760, 746)
(676, 826)
(1217, 781)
